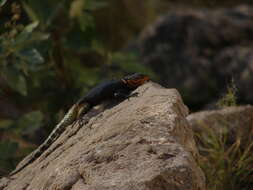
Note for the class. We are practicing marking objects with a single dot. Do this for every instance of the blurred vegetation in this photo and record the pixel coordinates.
(230, 98)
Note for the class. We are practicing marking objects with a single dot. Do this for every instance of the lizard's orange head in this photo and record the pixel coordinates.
(135, 80)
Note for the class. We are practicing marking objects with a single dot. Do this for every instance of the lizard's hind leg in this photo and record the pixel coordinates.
(82, 110)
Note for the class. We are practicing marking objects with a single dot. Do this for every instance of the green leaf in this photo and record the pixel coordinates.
(26, 33)
(30, 12)
(7, 150)
(31, 56)
(94, 5)
(30, 27)
(15, 80)
(5, 123)
(2, 2)
(86, 21)
(20, 85)
(29, 122)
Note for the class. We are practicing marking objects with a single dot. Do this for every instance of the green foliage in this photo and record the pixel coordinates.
(14, 79)
(18, 56)
(6, 157)
(226, 166)
(29, 122)
(5, 123)
(2, 2)
(229, 99)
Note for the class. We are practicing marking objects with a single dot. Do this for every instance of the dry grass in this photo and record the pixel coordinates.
(226, 166)
(230, 98)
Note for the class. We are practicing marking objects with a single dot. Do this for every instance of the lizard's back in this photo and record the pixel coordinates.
(103, 91)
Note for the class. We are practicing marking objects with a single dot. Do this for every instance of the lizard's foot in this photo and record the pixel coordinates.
(82, 121)
(125, 95)
(136, 94)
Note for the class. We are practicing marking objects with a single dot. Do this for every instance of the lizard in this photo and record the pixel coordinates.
(120, 88)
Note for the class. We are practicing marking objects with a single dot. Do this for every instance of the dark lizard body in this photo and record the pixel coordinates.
(112, 89)
(107, 90)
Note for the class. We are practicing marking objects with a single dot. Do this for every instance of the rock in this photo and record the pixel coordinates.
(201, 51)
(234, 122)
(143, 143)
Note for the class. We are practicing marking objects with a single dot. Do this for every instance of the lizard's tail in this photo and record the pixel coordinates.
(33, 157)
(72, 115)
(38, 152)
(68, 119)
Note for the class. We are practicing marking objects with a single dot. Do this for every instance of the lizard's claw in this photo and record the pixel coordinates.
(80, 121)
(136, 94)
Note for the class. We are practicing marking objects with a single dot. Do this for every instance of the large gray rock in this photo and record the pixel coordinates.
(144, 143)
(199, 51)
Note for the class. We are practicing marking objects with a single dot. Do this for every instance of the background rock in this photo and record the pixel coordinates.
(235, 122)
(198, 52)
(142, 143)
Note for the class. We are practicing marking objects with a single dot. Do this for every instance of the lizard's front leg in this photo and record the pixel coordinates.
(125, 94)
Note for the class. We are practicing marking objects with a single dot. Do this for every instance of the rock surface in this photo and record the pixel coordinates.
(236, 122)
(144, 143)
(192, 50)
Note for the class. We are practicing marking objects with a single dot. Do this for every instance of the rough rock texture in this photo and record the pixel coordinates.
(143, 143)
(237, 122)
(192, 50)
